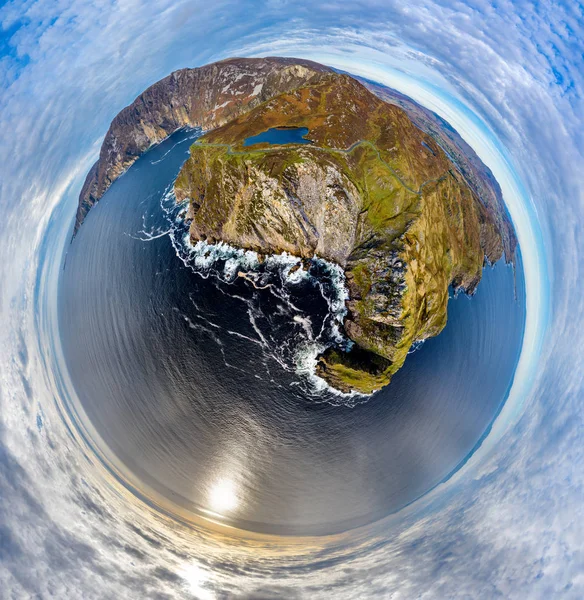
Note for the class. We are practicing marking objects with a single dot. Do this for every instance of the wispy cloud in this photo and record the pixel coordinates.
(513, 528)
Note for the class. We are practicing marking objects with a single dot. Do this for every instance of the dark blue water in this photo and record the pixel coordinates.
(279, 136)
(186, 377)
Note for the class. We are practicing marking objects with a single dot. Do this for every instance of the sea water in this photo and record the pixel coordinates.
(195, 375)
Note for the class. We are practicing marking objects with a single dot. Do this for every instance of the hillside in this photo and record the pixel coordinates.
(372, 193)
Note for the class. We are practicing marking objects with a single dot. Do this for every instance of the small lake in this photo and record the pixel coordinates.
(279, 136)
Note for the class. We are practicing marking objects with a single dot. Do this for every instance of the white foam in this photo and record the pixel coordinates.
(319, 389)
(306, 324)
(279, 274)
(297, 276)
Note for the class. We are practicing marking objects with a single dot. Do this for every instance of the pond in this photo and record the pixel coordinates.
(279, 135)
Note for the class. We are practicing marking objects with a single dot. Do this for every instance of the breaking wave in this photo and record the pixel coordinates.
(287, 278)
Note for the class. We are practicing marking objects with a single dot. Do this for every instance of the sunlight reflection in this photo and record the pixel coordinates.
(196, 579)
(223, 496)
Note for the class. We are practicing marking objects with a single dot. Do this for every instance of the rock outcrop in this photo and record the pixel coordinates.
(372, 193)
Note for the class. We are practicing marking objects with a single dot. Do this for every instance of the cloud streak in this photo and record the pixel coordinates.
(511, 528)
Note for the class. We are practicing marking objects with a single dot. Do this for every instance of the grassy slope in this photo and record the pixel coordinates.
(420, 227)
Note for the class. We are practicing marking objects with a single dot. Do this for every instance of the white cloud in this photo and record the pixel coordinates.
(515, 529)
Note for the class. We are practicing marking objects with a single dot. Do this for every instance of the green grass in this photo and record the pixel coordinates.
(413, 206)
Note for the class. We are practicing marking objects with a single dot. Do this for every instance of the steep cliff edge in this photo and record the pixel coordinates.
(372, 193)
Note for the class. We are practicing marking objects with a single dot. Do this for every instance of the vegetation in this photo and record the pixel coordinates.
(372, 193)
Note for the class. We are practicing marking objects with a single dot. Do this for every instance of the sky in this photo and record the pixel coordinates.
(509, 76)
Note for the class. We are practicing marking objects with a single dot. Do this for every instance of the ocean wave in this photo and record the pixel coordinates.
(281, 275)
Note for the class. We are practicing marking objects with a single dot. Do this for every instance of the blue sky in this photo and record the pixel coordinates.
(509, 75)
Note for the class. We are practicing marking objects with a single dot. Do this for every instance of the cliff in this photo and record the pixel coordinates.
(372, 193)
(205, 97)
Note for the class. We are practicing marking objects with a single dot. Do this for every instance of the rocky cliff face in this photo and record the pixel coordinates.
(205, 97)
(308, 207)
(398, 205)
(372, 193)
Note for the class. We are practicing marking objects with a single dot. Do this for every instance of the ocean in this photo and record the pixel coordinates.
(200, 380)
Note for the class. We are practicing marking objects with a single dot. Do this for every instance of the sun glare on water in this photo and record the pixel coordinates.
(223, 496)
